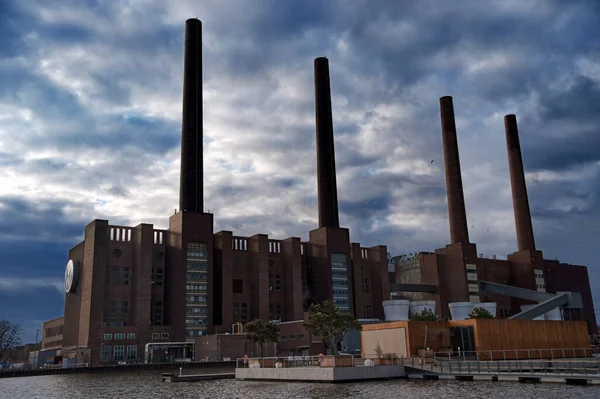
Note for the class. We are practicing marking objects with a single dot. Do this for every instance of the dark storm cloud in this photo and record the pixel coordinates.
(70, 125)
(33, 258)
(565, 131)
(42, 303)
(365, 209)
(21, 218)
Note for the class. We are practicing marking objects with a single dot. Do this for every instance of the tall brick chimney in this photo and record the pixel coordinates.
(456, 201)
(326, 179)
(191, 189)
(525, 239)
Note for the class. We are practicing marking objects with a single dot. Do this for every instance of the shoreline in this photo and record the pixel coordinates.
(116, 368)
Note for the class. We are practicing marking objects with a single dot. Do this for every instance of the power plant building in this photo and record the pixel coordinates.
(129, 287)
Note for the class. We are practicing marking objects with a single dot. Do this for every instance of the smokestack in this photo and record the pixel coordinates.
(523, 224)
(327, 186)
(191, 192)
(454, 188)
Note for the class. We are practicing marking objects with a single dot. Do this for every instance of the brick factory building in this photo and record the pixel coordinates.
(128, 287)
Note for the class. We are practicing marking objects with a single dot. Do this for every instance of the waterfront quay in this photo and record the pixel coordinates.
(204, 367)
(352, 369)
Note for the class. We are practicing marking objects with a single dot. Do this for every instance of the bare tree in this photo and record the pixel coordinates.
(10, 336)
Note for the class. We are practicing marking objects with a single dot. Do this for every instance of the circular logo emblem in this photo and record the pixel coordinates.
(71, 276)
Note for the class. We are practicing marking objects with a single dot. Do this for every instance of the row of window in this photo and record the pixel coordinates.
(196, 332)
(196, 287)
(194, 277)
(339, 273)
(195, 322)
(291, 337)
(196, 310)
(119, 336)
(117, 353)
(196, 298)
(197, 265)
(160, 335)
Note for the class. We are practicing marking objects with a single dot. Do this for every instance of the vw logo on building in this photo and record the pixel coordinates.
(71, 276)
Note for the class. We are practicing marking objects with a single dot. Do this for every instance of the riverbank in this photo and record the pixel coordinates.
(122, 368)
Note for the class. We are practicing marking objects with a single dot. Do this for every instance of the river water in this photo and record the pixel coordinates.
(145, 385)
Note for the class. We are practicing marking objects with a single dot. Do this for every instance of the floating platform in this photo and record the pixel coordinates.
(322, 374)
(170, 377)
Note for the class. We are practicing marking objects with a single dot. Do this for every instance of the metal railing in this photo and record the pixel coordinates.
(512, 354)
(509, 361)
(341, 360)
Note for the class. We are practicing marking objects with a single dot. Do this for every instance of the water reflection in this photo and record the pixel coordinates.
(147, 385)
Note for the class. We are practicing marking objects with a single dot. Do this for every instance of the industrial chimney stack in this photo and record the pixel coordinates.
(456, 201)
(191, 184)
(523, 224)
(327, 186)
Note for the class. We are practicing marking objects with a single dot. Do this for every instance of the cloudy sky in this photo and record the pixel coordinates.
(90, 122)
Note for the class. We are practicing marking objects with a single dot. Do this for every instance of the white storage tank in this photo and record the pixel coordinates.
(416, 307)
(554, 314)
(527, 307)
(489, 306)
(396, 309)
(460, 310)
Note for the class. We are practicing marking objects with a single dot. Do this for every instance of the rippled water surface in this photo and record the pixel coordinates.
(147, 385)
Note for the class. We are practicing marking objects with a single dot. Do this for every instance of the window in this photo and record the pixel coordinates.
(131, 336)
(116, 313)
(238, 286)
(164, 335)
(274, 310)
(366, 286)
(240, 312)
(120, 336)
(117, 275)
(274, 282)
(119, 353)
(105, 353)
(196, 287)
(158, 276)
(339, 273)
(107, 336)
(131, 352)
(155, 336)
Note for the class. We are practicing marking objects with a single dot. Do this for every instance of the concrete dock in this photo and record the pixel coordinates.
(322, 374)
(170, 377)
